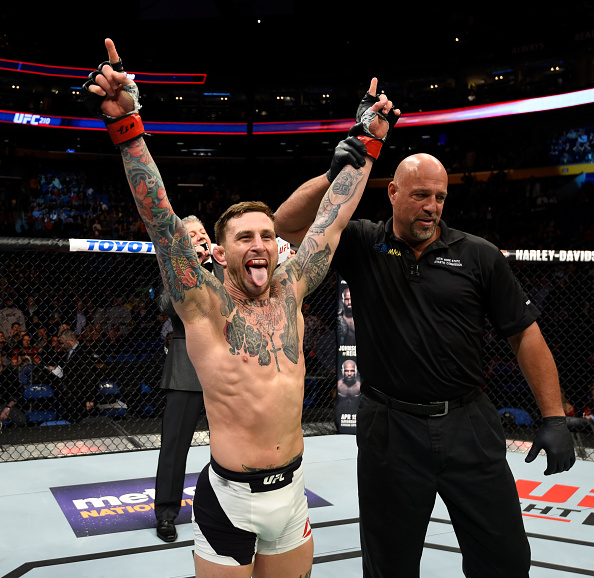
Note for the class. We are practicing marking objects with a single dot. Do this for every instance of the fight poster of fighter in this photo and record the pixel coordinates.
(348, 385)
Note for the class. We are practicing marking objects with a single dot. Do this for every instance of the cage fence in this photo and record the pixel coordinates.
(108, 300)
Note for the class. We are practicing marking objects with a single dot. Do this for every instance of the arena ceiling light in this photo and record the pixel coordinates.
(83, 73)
(478, 112)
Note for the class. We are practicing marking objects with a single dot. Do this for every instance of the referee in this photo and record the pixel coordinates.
(420, 294)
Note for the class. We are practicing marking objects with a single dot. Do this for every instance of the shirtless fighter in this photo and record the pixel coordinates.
(250, 509)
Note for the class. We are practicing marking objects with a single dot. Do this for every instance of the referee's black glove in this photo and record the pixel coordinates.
(554, 438)
(350, 151)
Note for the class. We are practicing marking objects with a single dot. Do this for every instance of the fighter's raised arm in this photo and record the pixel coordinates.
(375, 119)
(113, 97)
(295, 215)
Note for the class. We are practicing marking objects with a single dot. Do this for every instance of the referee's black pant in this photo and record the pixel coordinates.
(180, 417)
(405, 460)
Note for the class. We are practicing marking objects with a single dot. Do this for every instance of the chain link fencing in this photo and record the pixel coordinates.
(107, 398)
(561, 285)
(106, 302)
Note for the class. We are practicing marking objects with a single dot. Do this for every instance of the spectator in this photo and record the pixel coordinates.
(41, 339)
(32, 313)
(76, 380)
(114, 339)
(11, 400)
(55, 316)
(118, 314)
(52, 352)
(166, 326)
(14, 335)
(93, 335)
(3, 345)
(81, 318)
(9, 315)
(26, 348)
(145, 325)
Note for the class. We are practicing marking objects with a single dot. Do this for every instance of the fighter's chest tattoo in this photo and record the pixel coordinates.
(262, 329)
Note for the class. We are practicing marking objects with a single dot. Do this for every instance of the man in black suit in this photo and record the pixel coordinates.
(185, 400)
(75, 380)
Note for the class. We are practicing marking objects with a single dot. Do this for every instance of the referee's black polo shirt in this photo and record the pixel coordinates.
(420, 324)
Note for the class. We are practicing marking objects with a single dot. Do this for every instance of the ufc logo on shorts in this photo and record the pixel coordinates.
(269, 480)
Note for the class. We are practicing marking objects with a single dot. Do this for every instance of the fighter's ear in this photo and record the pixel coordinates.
(218, 252)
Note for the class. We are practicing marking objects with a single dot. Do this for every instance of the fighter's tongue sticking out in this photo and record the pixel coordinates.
(257, 269)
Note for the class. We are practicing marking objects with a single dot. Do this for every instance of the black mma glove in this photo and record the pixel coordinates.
(350, 151)
(125, 127)
(554, 438)
(364, 118)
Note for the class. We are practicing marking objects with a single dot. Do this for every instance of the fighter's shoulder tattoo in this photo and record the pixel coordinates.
(313, 259)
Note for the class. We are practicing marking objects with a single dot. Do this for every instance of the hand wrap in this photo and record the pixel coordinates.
(122, 128)
(364, 119)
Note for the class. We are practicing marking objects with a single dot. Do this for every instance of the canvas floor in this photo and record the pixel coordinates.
(91, 516)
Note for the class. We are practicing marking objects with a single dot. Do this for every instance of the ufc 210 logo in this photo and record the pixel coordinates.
(269, 480)
(32, 119)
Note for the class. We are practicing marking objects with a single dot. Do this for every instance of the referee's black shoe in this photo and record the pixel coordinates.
(166, 530)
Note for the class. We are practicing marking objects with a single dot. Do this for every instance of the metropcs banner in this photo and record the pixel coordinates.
(125, 505)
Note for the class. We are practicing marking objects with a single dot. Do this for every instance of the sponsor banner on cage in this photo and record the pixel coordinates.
(549, 255)
(146, 247)
(108, 246)
(348, 385)
(125, 505)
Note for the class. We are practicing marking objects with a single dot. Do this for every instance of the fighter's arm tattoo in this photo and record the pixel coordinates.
(313, 259)
(176, 256)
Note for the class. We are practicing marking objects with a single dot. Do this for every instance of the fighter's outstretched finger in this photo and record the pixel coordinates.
(112, 53)
(373, 86)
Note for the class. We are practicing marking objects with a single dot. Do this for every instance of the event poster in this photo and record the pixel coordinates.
(348, 385)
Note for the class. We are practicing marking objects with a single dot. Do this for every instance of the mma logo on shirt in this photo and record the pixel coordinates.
(383, 248)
